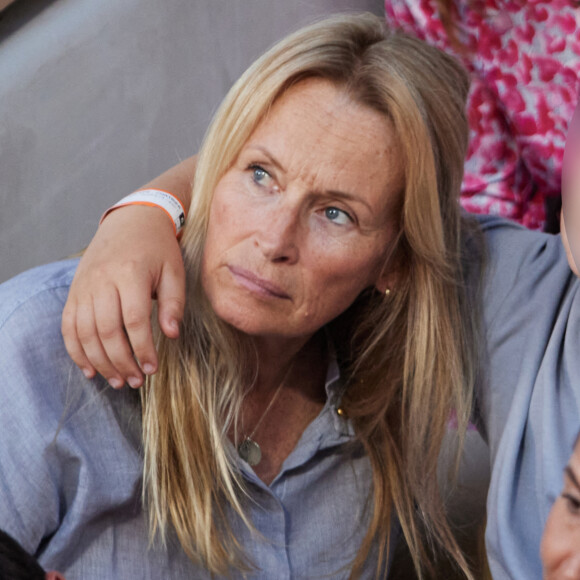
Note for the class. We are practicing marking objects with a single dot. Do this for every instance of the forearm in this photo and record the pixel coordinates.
(178, 180)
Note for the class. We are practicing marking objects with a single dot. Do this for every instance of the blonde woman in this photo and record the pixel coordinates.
(528, 403)
(294, 426)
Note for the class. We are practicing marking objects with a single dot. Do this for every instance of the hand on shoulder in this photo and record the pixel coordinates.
(133, 259)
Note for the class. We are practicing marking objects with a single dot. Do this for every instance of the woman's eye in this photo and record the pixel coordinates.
(260, 175)
(572, 503)
(337, 216)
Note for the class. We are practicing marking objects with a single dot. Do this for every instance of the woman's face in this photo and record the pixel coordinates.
(560, 548)
(301, 223)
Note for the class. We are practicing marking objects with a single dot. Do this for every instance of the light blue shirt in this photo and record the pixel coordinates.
(530, 396)
(70, 460)
(71, 465)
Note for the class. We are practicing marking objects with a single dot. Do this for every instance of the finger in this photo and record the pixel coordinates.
(92, 346)
(136, 307)
(110, 325)
(72, 342)
(171, 299)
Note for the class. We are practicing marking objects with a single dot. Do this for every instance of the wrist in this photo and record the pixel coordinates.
(158, 198)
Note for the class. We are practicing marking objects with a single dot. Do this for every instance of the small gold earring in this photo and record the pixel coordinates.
(387, 291)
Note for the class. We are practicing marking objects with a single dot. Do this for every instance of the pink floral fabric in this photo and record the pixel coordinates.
(524, 60)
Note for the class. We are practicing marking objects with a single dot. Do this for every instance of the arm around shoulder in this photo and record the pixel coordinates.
(133, 259)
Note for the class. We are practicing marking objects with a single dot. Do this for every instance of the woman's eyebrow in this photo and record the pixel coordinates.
(269, 155)
(347, 197)
(572, 476)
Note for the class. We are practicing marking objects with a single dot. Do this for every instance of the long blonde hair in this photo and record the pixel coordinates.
(411, 360)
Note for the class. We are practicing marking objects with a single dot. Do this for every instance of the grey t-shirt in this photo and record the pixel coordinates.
(529, 398)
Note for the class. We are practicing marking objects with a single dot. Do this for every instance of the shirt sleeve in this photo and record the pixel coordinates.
(526, 281)
(32, 358)
(70, 448)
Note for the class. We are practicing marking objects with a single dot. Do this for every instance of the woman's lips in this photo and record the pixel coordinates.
(257, 284)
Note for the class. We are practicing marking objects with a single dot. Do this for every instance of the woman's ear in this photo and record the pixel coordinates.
(391, 271)
(389, 275)
(386, 283)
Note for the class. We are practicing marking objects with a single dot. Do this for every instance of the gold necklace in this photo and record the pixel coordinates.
(249, 450)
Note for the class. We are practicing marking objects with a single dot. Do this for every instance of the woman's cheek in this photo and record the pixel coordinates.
(551, 548)
(560, 547)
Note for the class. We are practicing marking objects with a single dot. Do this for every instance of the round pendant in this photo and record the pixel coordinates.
(250, 451)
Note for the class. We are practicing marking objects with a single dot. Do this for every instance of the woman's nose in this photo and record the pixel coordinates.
(277, 233)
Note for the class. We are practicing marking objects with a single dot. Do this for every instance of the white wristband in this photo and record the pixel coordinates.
(170, 204)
